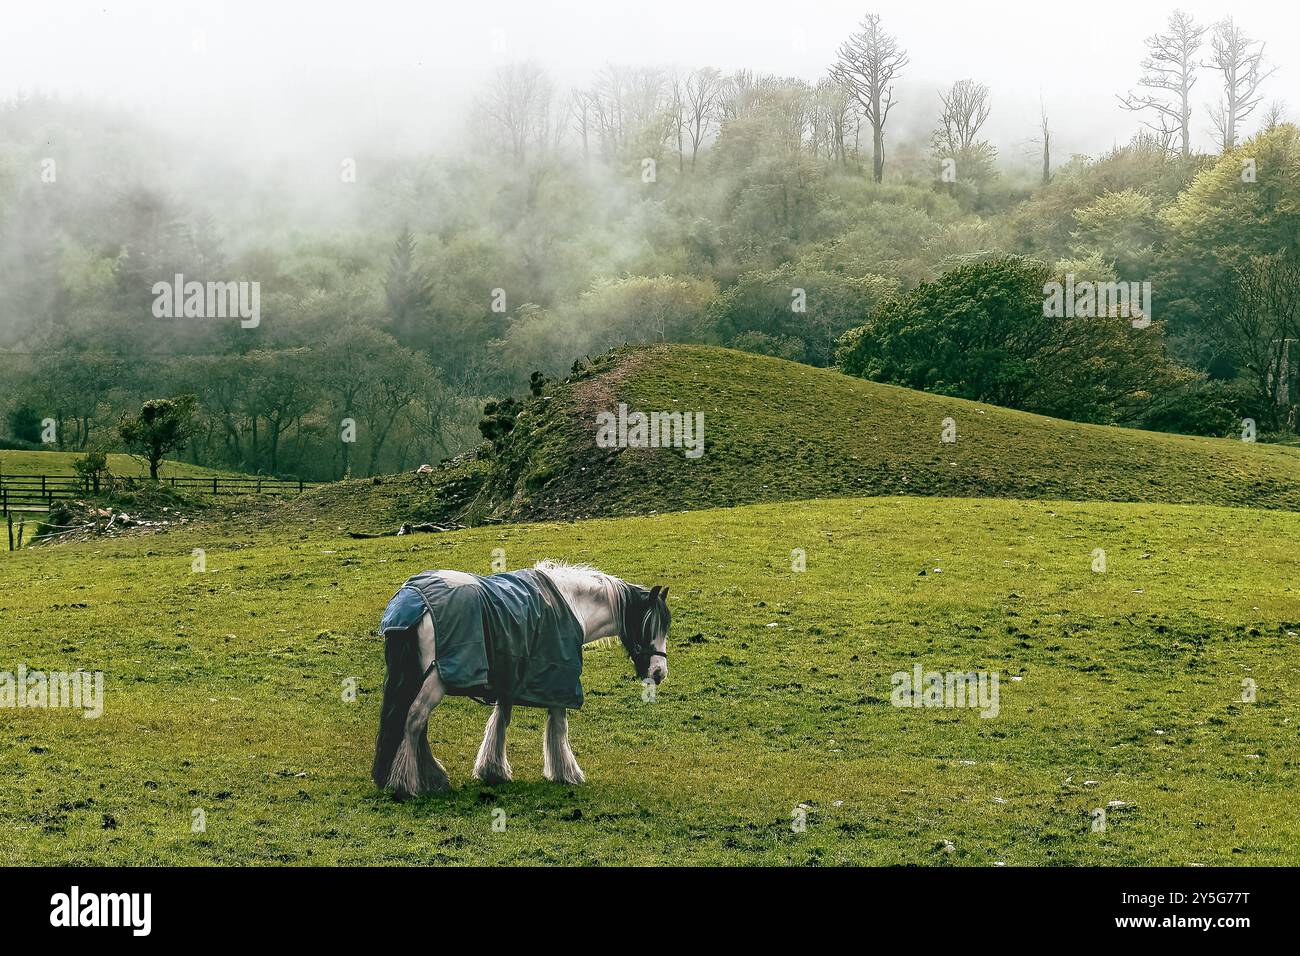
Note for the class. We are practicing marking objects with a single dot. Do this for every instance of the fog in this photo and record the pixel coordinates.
(261, 79)
(438, 207)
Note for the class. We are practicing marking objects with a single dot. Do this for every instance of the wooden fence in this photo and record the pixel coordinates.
(39, 492)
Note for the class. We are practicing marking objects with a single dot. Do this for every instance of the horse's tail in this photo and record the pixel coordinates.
(401, 684)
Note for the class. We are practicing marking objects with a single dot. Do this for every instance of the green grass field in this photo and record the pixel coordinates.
(126, 466)
(1123, 689)
(224, 694)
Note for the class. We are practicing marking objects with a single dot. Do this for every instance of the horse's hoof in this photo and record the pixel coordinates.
(438, 780)
(568, 778)
(493, 774)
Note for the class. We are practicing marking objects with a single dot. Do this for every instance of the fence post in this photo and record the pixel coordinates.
(214, 484)
(11, 532)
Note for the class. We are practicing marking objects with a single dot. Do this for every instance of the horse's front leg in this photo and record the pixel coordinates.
(558, 763)
(492, 765)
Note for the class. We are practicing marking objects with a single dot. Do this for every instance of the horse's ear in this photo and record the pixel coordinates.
(654, 593)
(663, 595)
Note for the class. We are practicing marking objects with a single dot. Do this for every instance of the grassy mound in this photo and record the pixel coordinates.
(781, 431)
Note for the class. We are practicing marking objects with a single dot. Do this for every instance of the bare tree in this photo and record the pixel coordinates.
(830, 116)
(704, 89)
(678, 111)
(517, 106)
(582, 115)
(965, 110)
(1044, 140)
(788, 103)
(631, 110)
(868, 63)
(738, 94)
(1169, 68)
(1241, 61)
(1274, 116)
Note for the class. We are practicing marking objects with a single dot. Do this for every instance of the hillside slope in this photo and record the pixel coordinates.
(779, 431)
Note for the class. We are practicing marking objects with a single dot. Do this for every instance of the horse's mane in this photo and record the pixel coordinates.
(618, 591)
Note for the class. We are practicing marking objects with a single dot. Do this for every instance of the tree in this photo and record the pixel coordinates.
(582, 115)
(1170, 67)
(1274, 116)
(834, 113)
(611, 313)
(74, 385)
(398, 381)
(1121, 226)
(703, 97)
(25, 423)
(868, 63)
(92, 468)
(1219, 222)
(965, 109)
(281, 389)
(409, 291)
(163, 425)
(349, 361)
(1045, 140)
(517, 106)
(1256, 324)
(795, 312)
(1241, 61)
(632, 112)
(980, 332)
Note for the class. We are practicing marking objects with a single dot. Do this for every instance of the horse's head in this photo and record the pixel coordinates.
(644, 630)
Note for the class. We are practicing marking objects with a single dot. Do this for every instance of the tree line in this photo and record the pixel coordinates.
(769, 218)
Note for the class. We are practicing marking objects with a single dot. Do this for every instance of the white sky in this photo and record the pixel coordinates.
(338, 69)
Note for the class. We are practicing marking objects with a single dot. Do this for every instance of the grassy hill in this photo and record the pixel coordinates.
(1119, 690)
(782, 431)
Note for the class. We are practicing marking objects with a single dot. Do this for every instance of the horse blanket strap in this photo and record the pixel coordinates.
(508, 637)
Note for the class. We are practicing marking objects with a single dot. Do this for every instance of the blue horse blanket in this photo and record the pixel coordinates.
(510, 637)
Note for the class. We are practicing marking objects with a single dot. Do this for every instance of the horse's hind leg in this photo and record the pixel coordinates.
(558, 763)
(415, 769)
(491, 765)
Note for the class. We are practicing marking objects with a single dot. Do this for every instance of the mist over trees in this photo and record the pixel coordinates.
(402, 292)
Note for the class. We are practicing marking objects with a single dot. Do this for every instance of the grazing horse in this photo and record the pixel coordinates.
(507, 639)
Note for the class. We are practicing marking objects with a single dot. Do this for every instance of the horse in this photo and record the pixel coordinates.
(509, 639)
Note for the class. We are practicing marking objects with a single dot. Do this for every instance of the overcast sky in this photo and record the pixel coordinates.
(402, 71)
